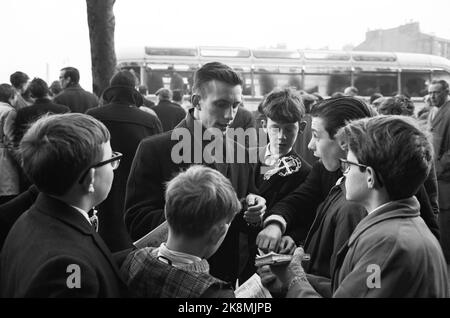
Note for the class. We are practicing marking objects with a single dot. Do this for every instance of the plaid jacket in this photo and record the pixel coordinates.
(147, 276)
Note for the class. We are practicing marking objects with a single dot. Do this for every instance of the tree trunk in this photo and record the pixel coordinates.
(101, 24)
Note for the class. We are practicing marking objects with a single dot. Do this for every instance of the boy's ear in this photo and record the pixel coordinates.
(88, 181)
(216, 232)
(264, 125)
(195, 101)
(372, 181)
(302, 126)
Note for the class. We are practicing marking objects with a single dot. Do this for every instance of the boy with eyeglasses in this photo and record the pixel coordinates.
(392, 252)
(53, 249)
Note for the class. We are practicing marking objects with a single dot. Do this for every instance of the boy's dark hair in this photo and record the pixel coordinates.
(214, 71)
(6, 93)
(283, 106)
(73, 73)
(336, 112)
(38, 88)
(18, 79)
(396, 147)
(57, 149)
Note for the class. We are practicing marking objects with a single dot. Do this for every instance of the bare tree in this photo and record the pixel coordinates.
(101, 24)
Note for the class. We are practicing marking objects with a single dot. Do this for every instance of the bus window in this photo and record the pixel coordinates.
(414, 83)
(370, 83)
(326, 84)
(154, 80)
(265, 82)
(441, 75)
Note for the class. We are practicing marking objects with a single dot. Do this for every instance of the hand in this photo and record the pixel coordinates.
(271, 282)
(286, 273)
(269, 238)
(256, 207)
(287, 245)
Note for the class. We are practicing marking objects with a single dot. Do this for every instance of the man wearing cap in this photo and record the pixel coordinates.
(128, 125)
(169, 113)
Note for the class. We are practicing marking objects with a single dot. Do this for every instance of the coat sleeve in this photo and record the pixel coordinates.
(144, 198)
(298, 206)
(426, 212)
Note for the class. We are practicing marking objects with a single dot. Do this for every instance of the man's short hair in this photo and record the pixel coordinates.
(283, 106)
(73, 73)
(374, 97)
(444, 84)
(215, 71)
(336, 112)
(6, 92)
(177, 95)
(396, 147)
(18, 79)
(198, 199)
(57, 149)
(398, 105)
(38, 88)
(164, 94)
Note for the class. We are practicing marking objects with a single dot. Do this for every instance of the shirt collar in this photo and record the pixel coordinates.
(177, 258)
(84, 213)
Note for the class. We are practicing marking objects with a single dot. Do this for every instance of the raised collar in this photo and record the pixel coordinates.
(405, 208)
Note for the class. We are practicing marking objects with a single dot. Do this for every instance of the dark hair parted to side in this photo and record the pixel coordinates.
(214, 71)
(73, 73)
(396, 147)
(18, 79)
(38, 88)
(443, 83)
(336, 112)
(56, 150)
(283, 106)
(198, 199)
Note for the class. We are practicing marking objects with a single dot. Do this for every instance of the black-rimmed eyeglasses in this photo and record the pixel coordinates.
(345, 165)
(345, 168)
(114, 161)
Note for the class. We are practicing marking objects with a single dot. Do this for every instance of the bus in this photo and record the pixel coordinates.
(313, 71)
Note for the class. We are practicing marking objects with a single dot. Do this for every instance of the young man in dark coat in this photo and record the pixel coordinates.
(73, 95)
(128, 125)
(217, 93)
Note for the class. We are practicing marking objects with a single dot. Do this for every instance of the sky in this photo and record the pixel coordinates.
(42, 36)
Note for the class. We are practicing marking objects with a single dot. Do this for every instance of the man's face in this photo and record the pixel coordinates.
(325, 148)
(219, 105)
(64, 81)
(437, 94)
(282, 136)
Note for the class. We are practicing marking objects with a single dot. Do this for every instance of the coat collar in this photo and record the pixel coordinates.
(439, 116)
(61, 211)
(405, 208)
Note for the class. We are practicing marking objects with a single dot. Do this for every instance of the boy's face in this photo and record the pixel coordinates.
(356, 187)
(325, 148)
(282, 136)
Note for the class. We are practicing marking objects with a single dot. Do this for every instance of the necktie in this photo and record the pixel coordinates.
(94, 219)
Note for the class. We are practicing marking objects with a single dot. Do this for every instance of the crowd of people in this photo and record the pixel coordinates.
(357, 192)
